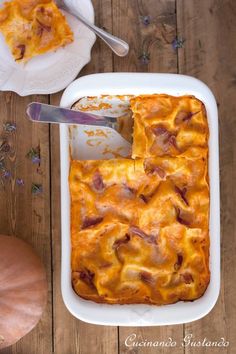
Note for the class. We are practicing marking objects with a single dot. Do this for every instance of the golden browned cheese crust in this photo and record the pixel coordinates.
(139, 227)
(33, 27)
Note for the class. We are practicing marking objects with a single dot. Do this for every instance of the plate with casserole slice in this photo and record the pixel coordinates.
(42, 48)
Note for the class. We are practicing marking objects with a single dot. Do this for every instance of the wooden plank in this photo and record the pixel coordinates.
(23, 214)
(150, 44)
(71, 335)
(150, 51)
(209, 30)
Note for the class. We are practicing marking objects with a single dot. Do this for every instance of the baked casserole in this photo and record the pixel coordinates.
(140, 226)
(33, 27)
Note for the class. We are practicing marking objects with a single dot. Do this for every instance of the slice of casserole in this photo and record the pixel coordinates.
(33, 27)
(168, 125)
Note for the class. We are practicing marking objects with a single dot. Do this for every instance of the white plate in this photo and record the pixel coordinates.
(140, 315)
(50, 72)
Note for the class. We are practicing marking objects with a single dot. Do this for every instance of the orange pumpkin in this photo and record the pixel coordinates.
(23, 289)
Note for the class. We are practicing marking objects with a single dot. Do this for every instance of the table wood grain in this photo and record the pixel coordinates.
(208, 28)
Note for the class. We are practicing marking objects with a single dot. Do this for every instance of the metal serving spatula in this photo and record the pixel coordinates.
(44, 113)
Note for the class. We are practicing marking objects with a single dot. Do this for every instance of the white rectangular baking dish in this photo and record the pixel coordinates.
(138, 83)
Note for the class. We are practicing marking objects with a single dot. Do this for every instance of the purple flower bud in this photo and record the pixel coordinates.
(178, 43)
(6, 174)
(20, 182)
(146, 20)
(35, 159)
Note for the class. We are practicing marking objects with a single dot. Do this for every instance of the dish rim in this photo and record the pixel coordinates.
(142, 315)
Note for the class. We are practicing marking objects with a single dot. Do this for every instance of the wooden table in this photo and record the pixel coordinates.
(208, 28)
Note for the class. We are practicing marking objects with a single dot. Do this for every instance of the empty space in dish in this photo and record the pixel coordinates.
(134, 84)
(93, 143)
